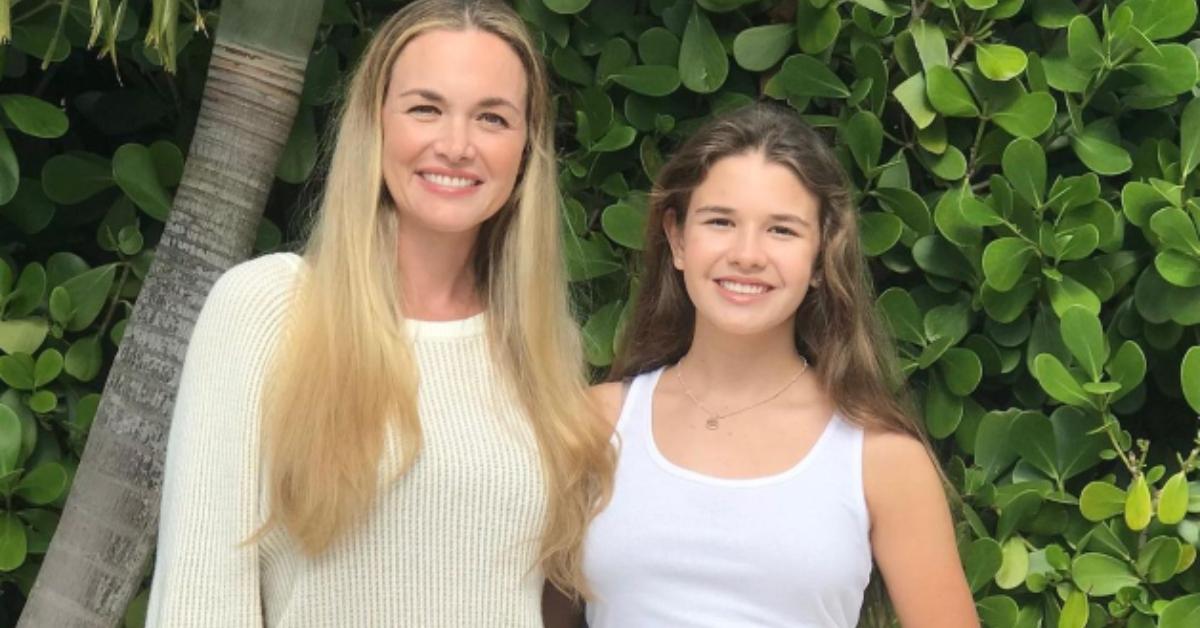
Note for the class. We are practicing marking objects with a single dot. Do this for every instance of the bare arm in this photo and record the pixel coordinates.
(912, 534)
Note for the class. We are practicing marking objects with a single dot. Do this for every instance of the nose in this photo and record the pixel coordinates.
(746, 251)
(455, 143)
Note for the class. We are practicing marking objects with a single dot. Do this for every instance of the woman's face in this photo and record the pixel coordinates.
(747, 246)
(453, 130)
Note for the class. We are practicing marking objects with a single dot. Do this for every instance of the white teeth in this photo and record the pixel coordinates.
(742, 288)
(445, 181)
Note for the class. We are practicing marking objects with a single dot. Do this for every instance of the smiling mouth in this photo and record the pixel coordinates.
(743, 288)
(447, 181)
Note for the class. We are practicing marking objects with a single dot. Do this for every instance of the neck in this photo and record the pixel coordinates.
(437, 276)
(718, 361)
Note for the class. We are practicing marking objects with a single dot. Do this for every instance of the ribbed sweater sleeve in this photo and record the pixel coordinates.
(205, 574)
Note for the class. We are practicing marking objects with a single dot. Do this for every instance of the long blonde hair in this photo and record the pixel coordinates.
(344, 379)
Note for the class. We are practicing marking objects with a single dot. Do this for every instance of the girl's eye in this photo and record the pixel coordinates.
(494, 119)
(719, 222)
(784, 231)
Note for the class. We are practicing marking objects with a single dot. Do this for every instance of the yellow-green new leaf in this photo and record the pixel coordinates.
(1138, 507)
(1173, 499)
(1189, 375)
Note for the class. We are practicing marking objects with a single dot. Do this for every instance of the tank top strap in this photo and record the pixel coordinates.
(639, 398)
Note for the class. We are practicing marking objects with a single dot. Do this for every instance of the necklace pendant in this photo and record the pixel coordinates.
(712, 423)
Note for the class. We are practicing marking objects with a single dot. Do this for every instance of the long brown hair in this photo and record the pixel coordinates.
(836, 326)
(343, 385)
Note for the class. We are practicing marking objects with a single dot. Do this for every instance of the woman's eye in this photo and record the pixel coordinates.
(719, 222)
(494, 119)
(423, 110)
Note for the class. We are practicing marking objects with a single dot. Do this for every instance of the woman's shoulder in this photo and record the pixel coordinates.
(260, 282)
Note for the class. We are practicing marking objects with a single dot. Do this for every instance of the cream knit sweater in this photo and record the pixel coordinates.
(452, 543)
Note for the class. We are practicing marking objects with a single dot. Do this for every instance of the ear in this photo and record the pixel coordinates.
(674, 237)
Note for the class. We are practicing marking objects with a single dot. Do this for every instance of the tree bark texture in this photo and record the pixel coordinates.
(99, 555)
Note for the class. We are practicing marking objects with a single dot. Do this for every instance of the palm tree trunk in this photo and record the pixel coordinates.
(98, 557)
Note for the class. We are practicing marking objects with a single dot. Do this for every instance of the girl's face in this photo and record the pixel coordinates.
(453, 130)
(747, 245)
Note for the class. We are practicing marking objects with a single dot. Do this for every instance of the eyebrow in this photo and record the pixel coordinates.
(491, 101)
(728, 211)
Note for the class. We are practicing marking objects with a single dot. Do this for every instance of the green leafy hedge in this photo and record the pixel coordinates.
(1026, 174)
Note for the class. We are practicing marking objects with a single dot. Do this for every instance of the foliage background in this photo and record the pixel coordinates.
(1026, 174)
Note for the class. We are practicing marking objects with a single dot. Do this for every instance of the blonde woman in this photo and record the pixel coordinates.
(392, 429)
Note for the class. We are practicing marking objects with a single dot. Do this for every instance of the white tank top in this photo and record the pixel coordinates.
(682, 549)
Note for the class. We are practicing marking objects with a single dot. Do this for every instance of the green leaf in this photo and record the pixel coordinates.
(1058, 382)
(1084, 337)
(47, 368)
(1004, 262)
(23, 335)
(879, 232)
(1101, 500)
(1176, 229)
(802, 75)
(1067, 292)
(134, 172)
(34, 116)
(998, 610)
(1189, 137)
(299, 154)
(1173, 499)
(901, 314)
(10, 170)
(598, 333)
(1098, 147)
(1164, 70)
(703, 65)
(1083, 44)
(1024, 165)
(1189, 375)
(1075, 611)
(1138, 508)
(883, 8)
(566, 7)
(84, 359)
(1014, 564)
(625, 225)
(1182, 612)
(911, 96)
(948, 94)
(1033, 438)
(1127, 367)
(10, 438)
(89, 293)
(587, 258)
(817, 27)
(658, 46)
(1162, 19)
(1100, 575)
(617, 138)
(962, 370)
(760, 47)
(1000, 62)
(930, 43)
(943, 410)
(12, 542)
(950, 165)
(982, 560)
(648, 80)
(46, 483)
(906, 204)
(1028, 116)
(1053, 14)
(863, 134)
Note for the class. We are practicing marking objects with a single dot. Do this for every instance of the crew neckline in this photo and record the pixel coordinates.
(460, 328)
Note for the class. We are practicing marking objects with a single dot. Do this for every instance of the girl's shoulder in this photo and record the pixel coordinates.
(608, 398)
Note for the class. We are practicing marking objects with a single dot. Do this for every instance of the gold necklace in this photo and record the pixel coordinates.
(714, 418)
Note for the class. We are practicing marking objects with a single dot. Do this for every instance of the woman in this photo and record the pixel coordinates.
(393, 429)
(765, 459)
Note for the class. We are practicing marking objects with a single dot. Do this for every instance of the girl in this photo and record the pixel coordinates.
(393, 429)
(765, 460)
